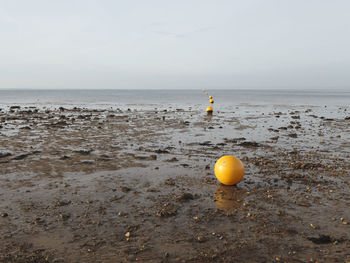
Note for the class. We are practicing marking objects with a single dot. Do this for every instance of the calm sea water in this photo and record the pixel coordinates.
(224, 99)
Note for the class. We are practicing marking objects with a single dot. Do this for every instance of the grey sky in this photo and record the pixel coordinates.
(175, 44)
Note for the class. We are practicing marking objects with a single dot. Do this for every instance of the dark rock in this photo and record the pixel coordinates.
(3, 155)
(172, 160)
(250, 144)
(59, 124)
(235, 140)
(149, 158)
(39, 221)
(167, 211)
(322, 239)
(293, 135)
(15, 107)
(63, 202)
(21, 157)
(125, 189)
(161, 151)
(184, 197)
(206, 143)
(64, 217)
(84, 152)
(4, 214)
(169, 181)
(25, 128)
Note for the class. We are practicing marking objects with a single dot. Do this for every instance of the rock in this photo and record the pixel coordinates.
(172, 160)
(15, 107)
(3, 155)
(161, 151)
(39, 221)
(146, 158)
(21, 157)
(83, 152)
(63, 202)
(64, 217)
(322, 239)
(25, 128)
(206, 143)
(113, 198)
(169, 181)
(250, 144)
(167, 211)
(184, 197)
(125, 189)
(4, 214)
(293, 135)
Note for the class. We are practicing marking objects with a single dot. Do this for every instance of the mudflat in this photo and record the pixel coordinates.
(92, 185)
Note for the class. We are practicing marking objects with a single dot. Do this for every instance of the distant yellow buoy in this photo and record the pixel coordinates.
(210, 97)
(209, 109)
(211, 101)
(203, 90)
(229, 170)
(207, 93)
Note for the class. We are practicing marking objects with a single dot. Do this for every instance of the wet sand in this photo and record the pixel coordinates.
(84, 185)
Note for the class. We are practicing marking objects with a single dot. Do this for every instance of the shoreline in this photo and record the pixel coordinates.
(117, 185)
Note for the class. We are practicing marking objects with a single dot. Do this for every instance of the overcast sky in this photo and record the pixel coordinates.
(175, 44)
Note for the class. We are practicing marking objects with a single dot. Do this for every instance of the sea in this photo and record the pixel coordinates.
(223, 99)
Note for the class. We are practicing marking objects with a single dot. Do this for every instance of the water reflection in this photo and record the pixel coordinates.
(229, 198)
(209, 116)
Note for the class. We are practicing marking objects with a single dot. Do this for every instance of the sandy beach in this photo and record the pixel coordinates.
(85, 185)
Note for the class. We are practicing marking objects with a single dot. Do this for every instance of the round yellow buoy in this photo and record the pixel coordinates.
(207, 93)
(229, 170)
(203, 90)
(211, 101)
(209, 109)
(210, 97)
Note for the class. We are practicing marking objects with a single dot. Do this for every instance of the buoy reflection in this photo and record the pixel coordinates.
(229, 198)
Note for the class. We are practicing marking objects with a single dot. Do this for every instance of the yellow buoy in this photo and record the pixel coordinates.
(209, 109)
(229, 170)
(203, 90)
(211, 101)
(210, 97)
(207, 93)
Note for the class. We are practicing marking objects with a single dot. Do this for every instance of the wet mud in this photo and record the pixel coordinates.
(85, 185)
